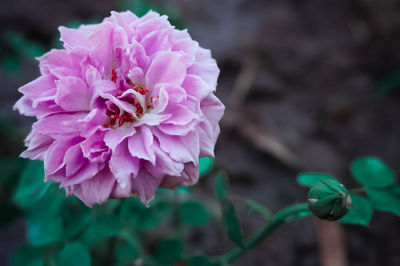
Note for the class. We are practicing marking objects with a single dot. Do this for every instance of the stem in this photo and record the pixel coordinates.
(277, 220)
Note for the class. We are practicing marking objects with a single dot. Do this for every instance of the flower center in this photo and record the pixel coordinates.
(137, 96)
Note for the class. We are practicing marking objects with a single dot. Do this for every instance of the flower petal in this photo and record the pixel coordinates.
(166, 67)
(59, 124)
(37, 144)
(146, 184)
(86, 172)
(54, 158)
(73, 160)
(97, 189)
(180, 148)
(116, 136)
(73, 37)
(72, 94)
(140, 145)
(123, 166)
(205, 67)
(164, 165)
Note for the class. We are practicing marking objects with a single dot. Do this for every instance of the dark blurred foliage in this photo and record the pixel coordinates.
(318, 79)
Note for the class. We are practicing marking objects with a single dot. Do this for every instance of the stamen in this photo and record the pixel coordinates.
(137, 88)
(114, 76)
(136, 96)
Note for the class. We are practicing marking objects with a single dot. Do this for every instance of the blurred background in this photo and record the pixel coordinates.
(309, 85)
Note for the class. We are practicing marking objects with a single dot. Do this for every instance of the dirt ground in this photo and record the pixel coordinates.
(300, 79)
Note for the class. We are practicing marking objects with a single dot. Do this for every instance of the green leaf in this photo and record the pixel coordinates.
(128, 237)
(169, 251)
(128, 248)
(360, 212)
(42, 232)
(135, 213)
(125, 254)
(76, 218)
(10, 170)
(372, 172)
(36, 262)
(257, 207)
(193, 213)
(199, 261)
(139, 7)
(11, 63)
(27, 255)
(31, 186)
(232, 223)
(205, 165)
(221, 186)
(107, 207)
(33, 49)
(385, 199)
(22, 45)
(183, 190)
(310, 179)
(102, 227)
(10, 167)
(389, 83)
(73, 254)
(49, 205)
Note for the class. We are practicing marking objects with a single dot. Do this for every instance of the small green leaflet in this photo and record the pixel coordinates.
(73, 254)
(205, 165)
(193, 213)
(31, 186)
(128, 248)
(45, 230)
(372, 172)
(27, 255)
(134, 213)
(169, 251)
(232, 223)
(102, 227)
(75, 220)
(360, 212)
(22, 45)
(385, 199)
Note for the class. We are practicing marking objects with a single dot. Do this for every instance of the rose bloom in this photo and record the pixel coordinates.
(125, 108)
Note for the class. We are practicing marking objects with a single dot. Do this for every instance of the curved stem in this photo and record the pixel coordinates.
(277, 220)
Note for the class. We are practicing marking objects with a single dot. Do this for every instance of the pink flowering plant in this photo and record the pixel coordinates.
(127, 106)
(126, 109)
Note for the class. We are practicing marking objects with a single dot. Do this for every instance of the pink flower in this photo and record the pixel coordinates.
(125, 108)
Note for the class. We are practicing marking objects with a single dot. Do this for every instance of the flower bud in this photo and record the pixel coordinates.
(329, 200)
